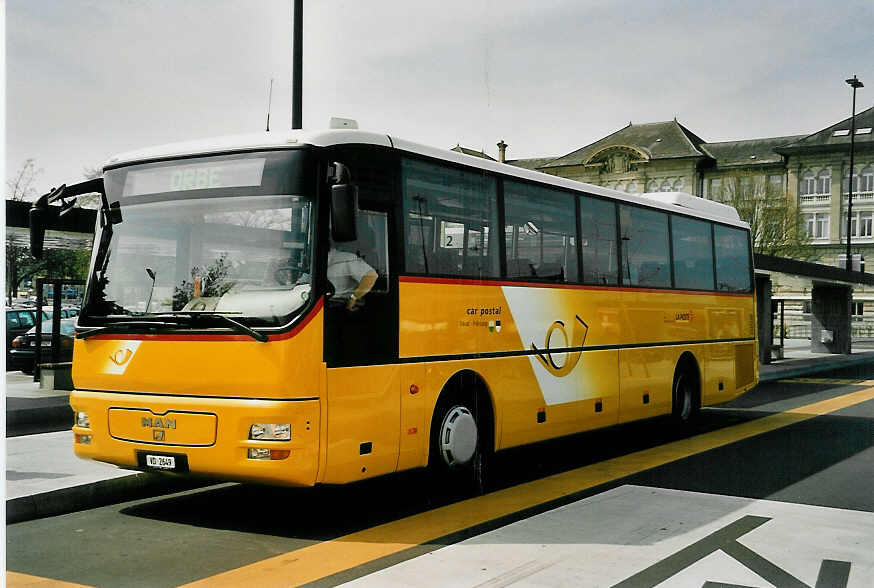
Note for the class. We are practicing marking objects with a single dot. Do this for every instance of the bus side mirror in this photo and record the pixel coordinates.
(37, 222)
(344, 208)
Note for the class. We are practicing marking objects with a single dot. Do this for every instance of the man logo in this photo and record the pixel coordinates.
(158, 434)
(158, 423)
(578, 337)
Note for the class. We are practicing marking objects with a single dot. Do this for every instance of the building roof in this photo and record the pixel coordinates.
(837, 134)
(466, 151)
(748, 152)
(530, 163)
(660, 140)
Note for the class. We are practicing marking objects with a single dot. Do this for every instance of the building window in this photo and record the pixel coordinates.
(808, 184)
(678, 185)
(824, 182)
(716, 189)
(860, 224)
(652, 186)
(666, 185)
(867, 183)
(817, 225)
(858, 308)
(845, 184)
(632, 187)
(776, 181)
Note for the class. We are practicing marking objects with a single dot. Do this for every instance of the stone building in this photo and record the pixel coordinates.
(811, 171)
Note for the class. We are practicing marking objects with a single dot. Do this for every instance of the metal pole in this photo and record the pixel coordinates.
(297, 68)
(782, 323)
(40, 282)
(854, 83)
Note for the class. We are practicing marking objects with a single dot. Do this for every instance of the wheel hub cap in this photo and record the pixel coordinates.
(458, 437)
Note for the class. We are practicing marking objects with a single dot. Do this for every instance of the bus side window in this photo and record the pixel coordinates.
(645, 251)
(598, 240)
(371, 245)
(732, 259)
(693, 253)
(448, 215)
(539, 232)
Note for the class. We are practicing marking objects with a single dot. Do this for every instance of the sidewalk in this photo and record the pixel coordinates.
(44, 477)
(27, 405)
(800, 361)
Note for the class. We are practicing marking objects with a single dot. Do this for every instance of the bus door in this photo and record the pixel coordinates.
(362, 331)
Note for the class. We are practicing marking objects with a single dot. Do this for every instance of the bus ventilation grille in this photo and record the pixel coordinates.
(743, 364)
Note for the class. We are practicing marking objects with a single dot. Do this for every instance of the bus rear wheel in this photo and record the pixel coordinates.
(460, 451)
(685, 396)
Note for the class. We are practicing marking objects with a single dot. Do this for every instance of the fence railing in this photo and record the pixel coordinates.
(817, 199)
(859, 331)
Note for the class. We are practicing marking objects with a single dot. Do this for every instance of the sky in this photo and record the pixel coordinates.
(86, 79)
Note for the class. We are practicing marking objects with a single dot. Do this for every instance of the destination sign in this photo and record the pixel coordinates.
(194, 176)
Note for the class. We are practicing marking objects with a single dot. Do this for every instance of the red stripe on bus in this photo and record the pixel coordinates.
(472, 282)
(201, 337)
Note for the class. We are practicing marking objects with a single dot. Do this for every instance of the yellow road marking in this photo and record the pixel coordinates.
(16, 580)
(330, 557)
(844, 381)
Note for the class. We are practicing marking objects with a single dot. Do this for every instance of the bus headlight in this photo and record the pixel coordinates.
(270, 432)
(82, 420)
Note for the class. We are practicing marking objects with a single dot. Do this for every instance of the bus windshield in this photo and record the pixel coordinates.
(209, 246)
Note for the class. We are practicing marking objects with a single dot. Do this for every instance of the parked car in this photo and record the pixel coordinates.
(66, 311)
(23, 352)
(19, 320)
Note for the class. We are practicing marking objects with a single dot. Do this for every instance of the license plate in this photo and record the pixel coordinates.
(162, 462)
(45, 343)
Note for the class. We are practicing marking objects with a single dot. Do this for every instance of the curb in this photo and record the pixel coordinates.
(40, 414)
(813, 369)
(96, 494)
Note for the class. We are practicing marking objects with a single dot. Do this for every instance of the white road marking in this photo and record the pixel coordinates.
(623, 533)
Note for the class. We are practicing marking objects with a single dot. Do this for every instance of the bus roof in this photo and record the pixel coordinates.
(672, 201)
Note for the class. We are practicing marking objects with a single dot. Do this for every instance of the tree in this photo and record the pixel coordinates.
(776, 225)
(21, 187)
(20, 265)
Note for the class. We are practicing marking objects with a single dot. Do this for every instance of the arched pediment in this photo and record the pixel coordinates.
(617, 158)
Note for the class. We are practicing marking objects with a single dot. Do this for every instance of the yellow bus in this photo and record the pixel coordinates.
(309, 308)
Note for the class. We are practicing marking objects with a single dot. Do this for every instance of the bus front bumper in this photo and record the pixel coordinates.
(204, 436)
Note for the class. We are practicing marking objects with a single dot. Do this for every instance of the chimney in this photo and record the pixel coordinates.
(502, 151)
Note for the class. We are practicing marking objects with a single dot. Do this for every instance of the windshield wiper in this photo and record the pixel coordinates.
(174, 321)
(91, 331)
(223, 316)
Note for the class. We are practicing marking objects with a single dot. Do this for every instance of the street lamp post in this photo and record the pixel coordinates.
(854, 83)
(297, 68)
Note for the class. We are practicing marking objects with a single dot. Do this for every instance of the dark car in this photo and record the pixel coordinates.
(19, 320)
(23, 350)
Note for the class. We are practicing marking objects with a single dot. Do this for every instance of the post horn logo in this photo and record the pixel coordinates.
(571, 348)
(121, 356)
